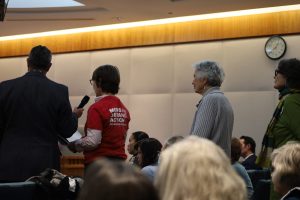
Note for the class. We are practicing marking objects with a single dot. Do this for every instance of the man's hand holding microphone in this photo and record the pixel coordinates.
(78, 111)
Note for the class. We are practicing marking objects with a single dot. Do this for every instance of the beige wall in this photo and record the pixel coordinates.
(156, 82)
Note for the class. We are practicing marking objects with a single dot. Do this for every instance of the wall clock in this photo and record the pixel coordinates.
(275, 47)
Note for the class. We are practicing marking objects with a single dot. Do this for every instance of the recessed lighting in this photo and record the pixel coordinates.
(42, 3)
(155, 22)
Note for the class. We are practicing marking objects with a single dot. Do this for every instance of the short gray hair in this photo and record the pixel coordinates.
(210, 70)
(285, 161)
(172, 140)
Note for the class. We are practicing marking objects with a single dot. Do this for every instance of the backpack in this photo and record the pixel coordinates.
(53, 185)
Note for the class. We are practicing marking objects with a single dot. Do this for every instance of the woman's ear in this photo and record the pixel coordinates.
(97, 82)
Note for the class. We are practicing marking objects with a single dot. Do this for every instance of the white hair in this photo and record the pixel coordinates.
(210, 70)
(196, 168)
(286, 164)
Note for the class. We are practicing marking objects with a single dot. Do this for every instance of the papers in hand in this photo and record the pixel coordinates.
(75, 136)
(66, 141)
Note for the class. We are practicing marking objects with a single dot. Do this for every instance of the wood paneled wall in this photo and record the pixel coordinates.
(72, 166)
(287, 22)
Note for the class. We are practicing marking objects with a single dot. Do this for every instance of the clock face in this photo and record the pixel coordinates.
(275, 47)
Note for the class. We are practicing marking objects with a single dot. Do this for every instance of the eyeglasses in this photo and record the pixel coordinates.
(91, 81)
(276, 72)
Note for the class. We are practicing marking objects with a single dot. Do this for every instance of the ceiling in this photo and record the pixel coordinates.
(103, 12)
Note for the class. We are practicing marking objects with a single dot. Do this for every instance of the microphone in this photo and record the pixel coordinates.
(84, 101)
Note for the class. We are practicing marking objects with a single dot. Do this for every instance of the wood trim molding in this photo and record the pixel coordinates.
(287, 22)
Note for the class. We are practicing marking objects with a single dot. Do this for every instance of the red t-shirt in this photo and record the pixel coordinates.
(111, 117)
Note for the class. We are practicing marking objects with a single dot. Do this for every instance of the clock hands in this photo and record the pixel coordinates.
(275, 47)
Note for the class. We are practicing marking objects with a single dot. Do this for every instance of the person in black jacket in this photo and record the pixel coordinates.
(248, 153)
(33, 112)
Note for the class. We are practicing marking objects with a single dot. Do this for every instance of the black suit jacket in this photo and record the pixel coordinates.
(249, 163)
(33, 111)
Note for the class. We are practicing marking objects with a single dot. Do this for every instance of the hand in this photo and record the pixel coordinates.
(71, 147)
(78, 112)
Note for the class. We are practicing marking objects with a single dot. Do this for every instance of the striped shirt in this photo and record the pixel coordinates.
(214, 119)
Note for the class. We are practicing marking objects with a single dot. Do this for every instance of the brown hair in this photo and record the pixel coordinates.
(236, 149)
(108, 78)
(113, 179)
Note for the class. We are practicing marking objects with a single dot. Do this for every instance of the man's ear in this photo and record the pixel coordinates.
(28, 66)
(47, 69)
(248, 146)
(27, 60)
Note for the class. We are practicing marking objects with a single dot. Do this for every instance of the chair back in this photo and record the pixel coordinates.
(261, 181)
(18, 190)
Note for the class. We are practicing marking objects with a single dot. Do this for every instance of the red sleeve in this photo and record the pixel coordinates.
(94, 120)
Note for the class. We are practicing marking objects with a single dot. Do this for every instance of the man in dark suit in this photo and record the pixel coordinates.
(248, 153)
(33, 112)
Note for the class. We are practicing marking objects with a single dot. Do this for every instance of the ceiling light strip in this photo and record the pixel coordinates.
(43, 3)
(155, 22)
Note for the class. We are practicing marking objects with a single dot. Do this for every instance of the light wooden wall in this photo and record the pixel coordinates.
(287, 22)
(156, 80)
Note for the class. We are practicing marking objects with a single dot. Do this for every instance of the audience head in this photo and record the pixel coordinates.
(107, 78)
(207, 74)
(196, 168)
(286, 167)
(248, 146)
(39, 58)
(110, 180)
(148, 151)
(172, 140)
(133, 139)
(290, 69)
(236, 148)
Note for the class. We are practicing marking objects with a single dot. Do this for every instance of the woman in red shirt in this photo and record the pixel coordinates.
(107, 119)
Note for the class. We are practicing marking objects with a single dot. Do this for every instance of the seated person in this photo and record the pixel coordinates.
(148, 154)
(196, 168)
(248, 153)
(286, 171)
(114, 179)
(132, 147)
(235, 155)
(172, 140)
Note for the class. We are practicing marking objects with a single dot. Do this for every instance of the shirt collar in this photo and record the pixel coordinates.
(35, 73)
(249, 155)
(98, 98)
(295, 188)
(212, 90)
